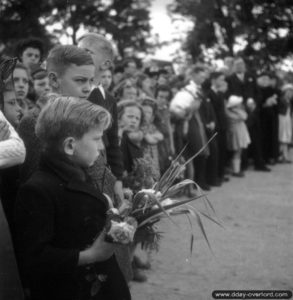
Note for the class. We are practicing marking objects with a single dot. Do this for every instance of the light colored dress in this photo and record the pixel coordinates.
(285, 128)
(237, 133)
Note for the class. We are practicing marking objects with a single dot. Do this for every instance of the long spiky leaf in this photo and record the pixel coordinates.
(177, 187)
(174, 163)
(203, 231)
(212, 219)
(174, 173)
(192, 236)
(210, 204)
(158, 211)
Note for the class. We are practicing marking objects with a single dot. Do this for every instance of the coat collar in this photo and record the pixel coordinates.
(74, 177)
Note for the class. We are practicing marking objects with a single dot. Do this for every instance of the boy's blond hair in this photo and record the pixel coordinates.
(69, 117)
(99, 42)
(63, 56)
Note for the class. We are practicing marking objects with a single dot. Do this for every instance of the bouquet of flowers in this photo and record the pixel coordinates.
(151, 202)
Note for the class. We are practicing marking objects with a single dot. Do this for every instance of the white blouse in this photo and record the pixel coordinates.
(12, 150)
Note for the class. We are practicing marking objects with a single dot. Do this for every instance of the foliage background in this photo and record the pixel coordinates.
(261, 30)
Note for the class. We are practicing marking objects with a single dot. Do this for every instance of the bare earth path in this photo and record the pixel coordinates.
(254, 251)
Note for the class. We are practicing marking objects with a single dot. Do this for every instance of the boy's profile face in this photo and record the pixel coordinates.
(42, 86)
(77, 81)
(30, 56)
(131, 118)
(20, 79)
(87, 149)
(11, 108)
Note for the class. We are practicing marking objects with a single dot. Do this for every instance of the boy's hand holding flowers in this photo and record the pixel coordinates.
(100, 250)
(118, 229)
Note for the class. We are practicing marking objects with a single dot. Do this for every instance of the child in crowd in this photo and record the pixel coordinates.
(60, 205)
(126, 90)
(145, 86)
(237, 133)
(152, 136)
(130, 116)
(41, 83)
(71, 72)
(30, 52)
(163, 123)
(21, 86)
(285, 122)
(107, 79)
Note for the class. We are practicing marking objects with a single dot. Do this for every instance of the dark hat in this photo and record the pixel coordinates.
(149, 101)
(37, 72)
(152, 71)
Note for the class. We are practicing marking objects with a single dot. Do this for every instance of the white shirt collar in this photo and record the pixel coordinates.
(100, 87)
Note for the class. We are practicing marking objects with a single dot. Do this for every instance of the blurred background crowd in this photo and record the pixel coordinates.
(234, 80)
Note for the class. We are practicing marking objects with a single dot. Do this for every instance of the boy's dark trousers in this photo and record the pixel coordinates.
(212, 164)
(254, 150)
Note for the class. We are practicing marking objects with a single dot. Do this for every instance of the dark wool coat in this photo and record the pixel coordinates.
(57, 215)
(130, 152)
(110, 138)
(246, 88)
(26, 131)
(218, 102)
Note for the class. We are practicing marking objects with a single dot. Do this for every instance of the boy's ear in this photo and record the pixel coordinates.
(53, 80)
(69, 146)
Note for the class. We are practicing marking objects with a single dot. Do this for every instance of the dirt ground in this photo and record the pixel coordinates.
(253, 252)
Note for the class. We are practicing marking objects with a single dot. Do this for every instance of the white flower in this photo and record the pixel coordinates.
(122, 232)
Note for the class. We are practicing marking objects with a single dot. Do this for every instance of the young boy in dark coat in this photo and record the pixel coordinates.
(60, 216)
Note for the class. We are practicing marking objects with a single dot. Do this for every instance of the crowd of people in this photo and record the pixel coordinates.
(72, 127)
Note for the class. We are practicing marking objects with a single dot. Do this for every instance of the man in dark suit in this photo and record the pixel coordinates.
(102, 53)
(243, 84)
(216, 95)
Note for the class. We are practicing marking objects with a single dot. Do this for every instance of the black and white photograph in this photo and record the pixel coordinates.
(146, 149)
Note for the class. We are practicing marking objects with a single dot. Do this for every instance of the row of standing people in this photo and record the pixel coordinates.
(145, 126)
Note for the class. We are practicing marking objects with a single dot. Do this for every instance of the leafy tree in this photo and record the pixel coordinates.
(20, 19)
(127, 21)
(261, 27)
